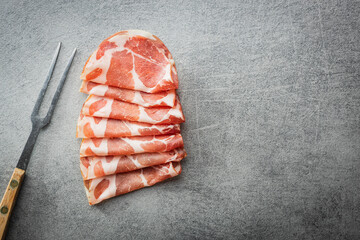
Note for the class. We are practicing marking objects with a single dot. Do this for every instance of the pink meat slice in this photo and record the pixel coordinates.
(95, 127)
(102, 188)
(129, 145)
(132, 59)
(164, 99)
(94, 167)
(110, 108)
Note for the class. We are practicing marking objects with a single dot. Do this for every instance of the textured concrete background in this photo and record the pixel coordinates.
(271, 92)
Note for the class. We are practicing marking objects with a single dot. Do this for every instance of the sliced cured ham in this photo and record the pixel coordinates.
(95, 127)
(109, 108)
(129, 145)
(130, 123)
(94, 167)
(132, 59)
(165, 98)
(102, 188)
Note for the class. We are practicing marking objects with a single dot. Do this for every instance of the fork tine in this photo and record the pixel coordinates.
(46, 84)
(55, 99)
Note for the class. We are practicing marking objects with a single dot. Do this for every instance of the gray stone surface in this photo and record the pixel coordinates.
(271, 93)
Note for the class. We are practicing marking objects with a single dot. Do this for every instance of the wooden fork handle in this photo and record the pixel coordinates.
(9, 199)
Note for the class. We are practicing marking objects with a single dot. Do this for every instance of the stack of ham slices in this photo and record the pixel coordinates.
(130, 121)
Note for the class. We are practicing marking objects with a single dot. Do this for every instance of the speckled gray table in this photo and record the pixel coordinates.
(271, 92)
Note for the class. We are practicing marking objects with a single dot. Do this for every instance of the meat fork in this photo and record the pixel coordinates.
(13, 188)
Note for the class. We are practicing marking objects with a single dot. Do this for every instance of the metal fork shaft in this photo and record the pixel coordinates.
(26, 153)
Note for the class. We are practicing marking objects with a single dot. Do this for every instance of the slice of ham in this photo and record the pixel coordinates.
(102, 188)
(109, 108)
(129, 145)
(132, 59)
(95, 127)
(165, 99)
(94, 167)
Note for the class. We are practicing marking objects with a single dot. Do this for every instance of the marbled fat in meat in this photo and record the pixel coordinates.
(163, 99)
(96, 127)
(129, 145)
(110, 108)
(102, 188)
(96, 166)
(132, 59)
